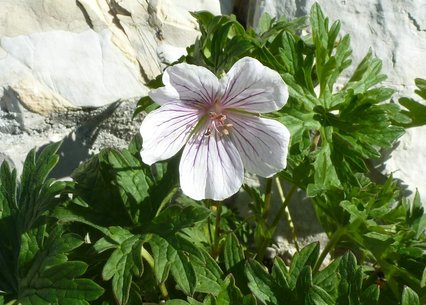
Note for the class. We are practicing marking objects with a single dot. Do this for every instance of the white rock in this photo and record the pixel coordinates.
(87, 53)
(85, 69)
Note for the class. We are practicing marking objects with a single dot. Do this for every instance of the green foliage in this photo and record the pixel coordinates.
(124, 262)
(122, 205)
(34, 251)
(338, 283)
(337, 126)
(415, 110)
(409, 297)
(50, 274)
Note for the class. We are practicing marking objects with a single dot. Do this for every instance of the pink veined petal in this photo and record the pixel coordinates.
(253, 87)
(165, 130)
(262, 143)
(189, 84)
(210, 168)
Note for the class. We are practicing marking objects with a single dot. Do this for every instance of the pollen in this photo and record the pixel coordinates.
(217, 123)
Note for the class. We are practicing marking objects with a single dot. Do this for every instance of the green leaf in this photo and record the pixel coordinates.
(233, 253)
(290, 57)
(265, 23)
(209, 275)
(234, 260)
(9, 241)
(37, 194)
(421, 85)
(423, 280)
(176, 218)
(298, 121)
(409, 297)
(79, 291)
(31, 242)
(318, 296)
(328, 278)
(144, 104)
(124, 263)
(183, 272)
(50, 274)
(263, 285)
(173, 255)
(325, 176)
(96, 187)
(328, 66)
(280, 273)
(131, 178)
(162, 257)
(415, 111)
(304, 282)
(176, 302)
(370, 296)
(319, 26)
(8, 191)
(351, 280)
(366, 75)
(306, 257)
(230, 294)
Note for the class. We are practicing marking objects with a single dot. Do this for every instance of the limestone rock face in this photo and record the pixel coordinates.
(63, 62)
(89, 53)
(396, 32)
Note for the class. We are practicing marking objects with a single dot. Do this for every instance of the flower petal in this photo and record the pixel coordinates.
(165, 130)
(253, 87)
(262, 143)
(187, 83)
(210, 168)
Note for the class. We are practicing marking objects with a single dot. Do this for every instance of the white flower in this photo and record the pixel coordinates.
(218, 124)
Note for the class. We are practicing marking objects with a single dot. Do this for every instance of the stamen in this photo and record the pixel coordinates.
(217, 122)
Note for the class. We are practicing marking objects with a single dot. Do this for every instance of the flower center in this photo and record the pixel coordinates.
(217, 121)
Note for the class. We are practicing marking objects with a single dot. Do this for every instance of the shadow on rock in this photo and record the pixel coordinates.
(76, 146)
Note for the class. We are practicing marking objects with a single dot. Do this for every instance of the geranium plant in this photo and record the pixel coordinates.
(158, 222)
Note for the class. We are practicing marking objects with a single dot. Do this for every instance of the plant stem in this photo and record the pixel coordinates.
(209, 204)
(216, 238)
(166, 199)
(330, 245)
(268, 193)
(150, 260)
(284, 212)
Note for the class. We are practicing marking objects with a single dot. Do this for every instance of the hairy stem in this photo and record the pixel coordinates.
(268, 194)
(284, 212)
(216, 238)
(150, 260)
(330, 245)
